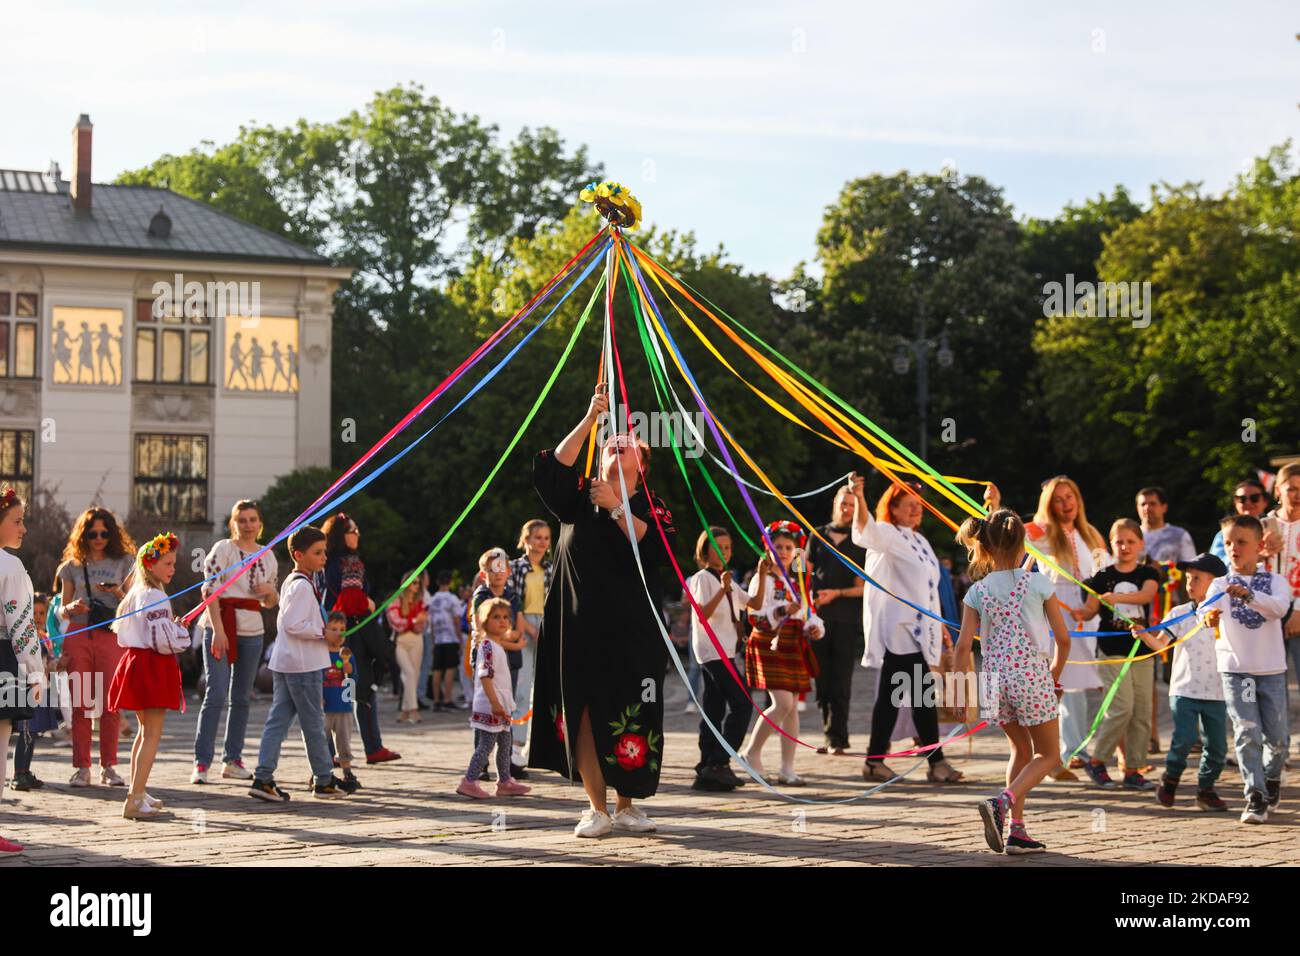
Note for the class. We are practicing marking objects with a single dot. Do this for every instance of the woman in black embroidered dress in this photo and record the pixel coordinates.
(598, 702)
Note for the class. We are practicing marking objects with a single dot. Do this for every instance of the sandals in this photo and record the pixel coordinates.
(877, 773)
(794, 780)
(943, 772)
(136, 809)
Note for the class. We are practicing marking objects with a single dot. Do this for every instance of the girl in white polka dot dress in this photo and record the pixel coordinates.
(1011, 609)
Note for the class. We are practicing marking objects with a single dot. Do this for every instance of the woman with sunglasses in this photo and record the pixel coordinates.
(1249, 497)
(598, 699)
(347, 589)
(98, 561)
(902, 641)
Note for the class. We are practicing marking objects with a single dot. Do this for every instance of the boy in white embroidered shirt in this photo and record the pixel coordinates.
(1252, 661)
(299, 658)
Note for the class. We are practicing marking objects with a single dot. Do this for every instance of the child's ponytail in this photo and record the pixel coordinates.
(1000, 535)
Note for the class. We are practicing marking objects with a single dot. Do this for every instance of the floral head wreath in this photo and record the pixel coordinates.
(8, 498)
(156, 548)
(791, 528)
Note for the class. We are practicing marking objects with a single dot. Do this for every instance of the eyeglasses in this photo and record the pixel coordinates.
(93, 535)
(1254, 497)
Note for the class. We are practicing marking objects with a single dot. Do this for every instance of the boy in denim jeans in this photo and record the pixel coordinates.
(299, 658)
(1252, 662)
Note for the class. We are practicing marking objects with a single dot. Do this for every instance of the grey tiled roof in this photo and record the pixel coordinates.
(36, 213)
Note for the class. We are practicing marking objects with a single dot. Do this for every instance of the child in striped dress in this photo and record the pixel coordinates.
(778, 657)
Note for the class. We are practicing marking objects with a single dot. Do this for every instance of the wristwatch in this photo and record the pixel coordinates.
(616, 513)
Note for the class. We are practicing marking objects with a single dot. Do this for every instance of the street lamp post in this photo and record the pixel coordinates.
(920, 347)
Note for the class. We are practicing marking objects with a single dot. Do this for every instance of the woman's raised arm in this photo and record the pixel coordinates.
(566, 452)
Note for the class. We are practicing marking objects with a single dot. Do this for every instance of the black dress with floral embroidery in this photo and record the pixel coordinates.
(600, 647)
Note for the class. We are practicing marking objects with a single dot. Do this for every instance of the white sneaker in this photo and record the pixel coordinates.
(801, 706)
(236, 771)
(633, 820)
(80, 778)
(200, 774)
(594, 823)
(109, 778)
(1256, 811)
(690, 708)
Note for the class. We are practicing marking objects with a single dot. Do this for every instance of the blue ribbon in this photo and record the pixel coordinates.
(333, 503)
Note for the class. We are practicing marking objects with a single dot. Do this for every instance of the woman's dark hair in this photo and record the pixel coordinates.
(335, 527)
(119, 542)
(1252, 482)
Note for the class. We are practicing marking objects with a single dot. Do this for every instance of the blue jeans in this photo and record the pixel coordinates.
(426, 668)
(1212, 716)
(1257, 706)
(300, 695)
(225, 683)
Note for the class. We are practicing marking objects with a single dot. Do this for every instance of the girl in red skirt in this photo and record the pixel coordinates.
(148, 679)
(778, 657)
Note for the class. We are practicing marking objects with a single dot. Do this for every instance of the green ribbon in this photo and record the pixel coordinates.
(528, 419)
(663, 391)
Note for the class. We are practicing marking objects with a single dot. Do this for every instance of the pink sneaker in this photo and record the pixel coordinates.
(470, 788)
(511, 788)
(9, 846)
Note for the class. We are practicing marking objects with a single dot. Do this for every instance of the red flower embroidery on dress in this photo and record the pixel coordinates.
(630, 751)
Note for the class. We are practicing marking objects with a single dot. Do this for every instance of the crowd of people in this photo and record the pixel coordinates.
(558, 656)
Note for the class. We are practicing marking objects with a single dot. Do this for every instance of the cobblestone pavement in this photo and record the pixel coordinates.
(407, 813)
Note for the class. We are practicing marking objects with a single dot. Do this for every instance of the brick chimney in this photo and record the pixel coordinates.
(81, 165)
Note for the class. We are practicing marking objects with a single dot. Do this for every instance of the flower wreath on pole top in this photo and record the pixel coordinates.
(614, 201)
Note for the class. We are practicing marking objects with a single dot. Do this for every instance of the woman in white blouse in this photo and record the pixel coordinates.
(1061, 530)
(233, 633)
(903, 642)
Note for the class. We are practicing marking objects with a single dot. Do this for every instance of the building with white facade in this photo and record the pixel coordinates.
(157, 355)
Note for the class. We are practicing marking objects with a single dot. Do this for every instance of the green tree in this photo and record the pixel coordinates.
(1205, 393)
(941, 255)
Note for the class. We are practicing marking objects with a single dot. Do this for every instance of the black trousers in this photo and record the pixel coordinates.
(24, 748)
(371, 652)
(885, 714)
(729, 707)
(838, 654)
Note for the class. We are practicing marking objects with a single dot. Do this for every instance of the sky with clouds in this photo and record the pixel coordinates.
(739, 121)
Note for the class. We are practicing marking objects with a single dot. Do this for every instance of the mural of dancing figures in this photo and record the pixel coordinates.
(86, 346)
(261, 356)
